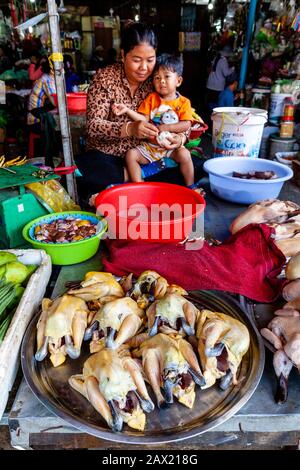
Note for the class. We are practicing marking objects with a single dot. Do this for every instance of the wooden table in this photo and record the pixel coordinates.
(259, 424)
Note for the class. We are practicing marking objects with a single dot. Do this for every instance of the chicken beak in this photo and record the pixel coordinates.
(89, 331)
(110, 343)
(146, 405)
(215, 351)
(154, 328)
(187, 328)
(226, 380)
(117, 420)
(168, 389)
(197, 378)
(72, 352)
(43, 351)
(282, 390)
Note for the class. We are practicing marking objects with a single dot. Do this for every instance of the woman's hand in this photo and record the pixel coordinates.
(118, 109)
(142, 130)
(175, 141)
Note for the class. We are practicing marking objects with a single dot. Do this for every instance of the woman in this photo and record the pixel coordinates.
(71, 78)
(216, 80)
(35, 70)
(110, 136)
(42, 90)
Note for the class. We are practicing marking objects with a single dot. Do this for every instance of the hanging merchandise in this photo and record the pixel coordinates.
(296, 22)
(240, 18)
(13, 13)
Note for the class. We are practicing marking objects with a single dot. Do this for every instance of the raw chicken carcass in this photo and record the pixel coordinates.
(283, 216)
(170, 363)
(283, 332)
(149, 287)
(222, 343)
(272, 211)
(116, 321)
(61, 328)
(171, 314)
(113, 383)
(98, 286)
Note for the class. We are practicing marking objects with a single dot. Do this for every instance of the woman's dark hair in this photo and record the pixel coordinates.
(170, 62)
(136, 34)
(216, 61)
(45, 64)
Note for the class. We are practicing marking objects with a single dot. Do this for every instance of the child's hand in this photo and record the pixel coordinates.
(119, 109)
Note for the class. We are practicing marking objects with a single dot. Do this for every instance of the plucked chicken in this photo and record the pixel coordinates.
(113, 383)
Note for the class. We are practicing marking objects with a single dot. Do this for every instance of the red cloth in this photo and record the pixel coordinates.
(248, 263)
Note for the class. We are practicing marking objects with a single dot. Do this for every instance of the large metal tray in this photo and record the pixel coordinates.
(212, 406)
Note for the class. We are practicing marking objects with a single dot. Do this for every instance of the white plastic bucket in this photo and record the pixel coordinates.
(237, 132)
(276, 106)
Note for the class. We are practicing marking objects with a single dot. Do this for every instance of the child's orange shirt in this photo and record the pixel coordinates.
(181, 106)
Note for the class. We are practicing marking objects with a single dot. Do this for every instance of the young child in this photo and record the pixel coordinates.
(171, 112)
(226, 97)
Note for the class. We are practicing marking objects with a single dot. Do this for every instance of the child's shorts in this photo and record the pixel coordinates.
(152, 152)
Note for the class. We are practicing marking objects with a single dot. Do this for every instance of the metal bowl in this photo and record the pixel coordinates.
(212, 406)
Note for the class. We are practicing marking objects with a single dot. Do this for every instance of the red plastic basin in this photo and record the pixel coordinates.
(152, 212)
(76, 102)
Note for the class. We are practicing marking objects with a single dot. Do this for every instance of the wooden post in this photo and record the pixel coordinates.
(61, 95)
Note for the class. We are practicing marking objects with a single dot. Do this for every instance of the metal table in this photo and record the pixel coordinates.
(259, 424)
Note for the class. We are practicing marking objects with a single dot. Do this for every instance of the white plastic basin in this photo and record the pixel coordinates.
(243, 191)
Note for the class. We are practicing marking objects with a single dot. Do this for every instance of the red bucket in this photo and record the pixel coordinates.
(152, 212)
(76, 102)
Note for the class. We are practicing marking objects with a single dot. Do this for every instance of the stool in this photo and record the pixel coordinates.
(32, 138)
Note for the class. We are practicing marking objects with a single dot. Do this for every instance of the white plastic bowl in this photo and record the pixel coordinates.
(280, 157)
(243, 191)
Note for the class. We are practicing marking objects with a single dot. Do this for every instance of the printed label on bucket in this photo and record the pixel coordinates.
(237, 132)
(242, 143)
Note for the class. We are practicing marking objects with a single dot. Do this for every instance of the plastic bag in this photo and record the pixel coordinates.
(54, 195)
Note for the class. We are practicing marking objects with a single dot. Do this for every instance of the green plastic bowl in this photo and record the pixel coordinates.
(67, 253)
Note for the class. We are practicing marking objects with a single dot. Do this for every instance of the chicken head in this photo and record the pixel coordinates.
(151, 286)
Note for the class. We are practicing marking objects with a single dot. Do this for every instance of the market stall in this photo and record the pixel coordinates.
(260, 422)
(158, 326)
